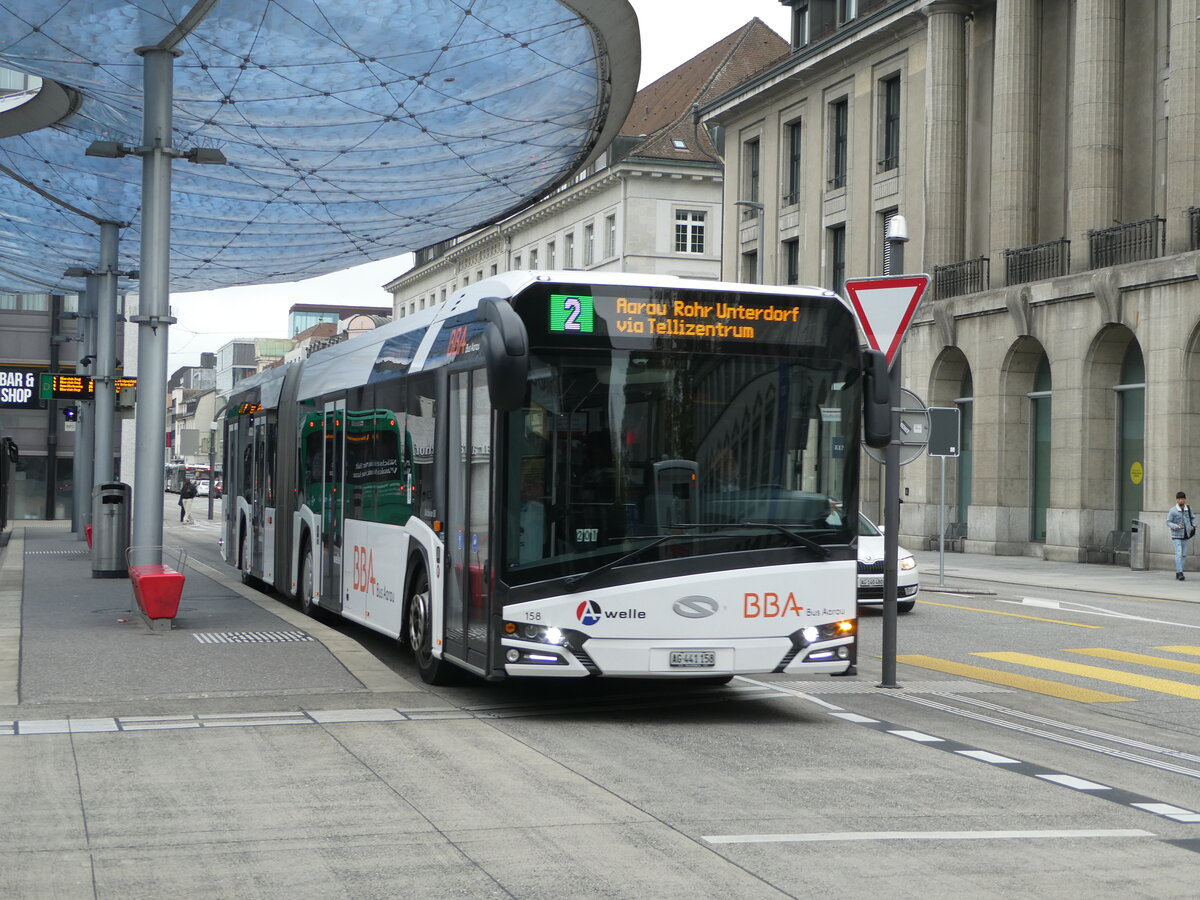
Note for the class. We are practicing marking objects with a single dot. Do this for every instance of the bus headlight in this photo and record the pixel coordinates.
(811, 634)
(528, 631)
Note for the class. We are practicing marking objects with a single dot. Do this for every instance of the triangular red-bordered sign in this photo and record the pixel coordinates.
(885, 306)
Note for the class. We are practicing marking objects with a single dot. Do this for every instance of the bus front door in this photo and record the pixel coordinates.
(332, 509)
(467, 598)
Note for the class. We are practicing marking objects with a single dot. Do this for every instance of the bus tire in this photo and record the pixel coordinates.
(244, 555)
(304, 590)
(418, 628)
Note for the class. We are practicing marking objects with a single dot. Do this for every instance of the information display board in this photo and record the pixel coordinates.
(69, 386)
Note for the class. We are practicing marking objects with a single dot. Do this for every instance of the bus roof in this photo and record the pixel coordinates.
(349, 364)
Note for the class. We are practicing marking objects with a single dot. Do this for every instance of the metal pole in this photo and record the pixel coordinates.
(154, 311)
(896, 236)
(85, 425)
(942, 529)
(212, 467)
(105, 365)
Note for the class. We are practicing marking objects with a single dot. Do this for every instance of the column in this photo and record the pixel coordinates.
(1183, 121)
(1014, 128)
(946, 135)
(1094, 180)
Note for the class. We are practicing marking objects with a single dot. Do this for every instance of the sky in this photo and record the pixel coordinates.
(673, 31)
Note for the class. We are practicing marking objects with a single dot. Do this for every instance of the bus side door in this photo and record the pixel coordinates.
(332, 493)
(468, 456)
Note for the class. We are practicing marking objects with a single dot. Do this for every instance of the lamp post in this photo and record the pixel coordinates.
(212, 466)
(762, 247)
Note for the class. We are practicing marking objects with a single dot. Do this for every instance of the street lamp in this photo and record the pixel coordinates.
(762, 247)
(212, 466)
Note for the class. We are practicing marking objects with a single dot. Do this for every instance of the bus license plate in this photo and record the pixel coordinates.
(693, 659)
(870, 581)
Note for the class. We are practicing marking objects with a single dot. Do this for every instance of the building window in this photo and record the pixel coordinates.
(750, 267)
(837, 258)
(791, 257)
(689, 231)
(495, 268)
(569, 250)
(479, 275)
(610, 236)
(589, 244)
(891, 255)
(799, 23)
(750, 177)
(846, 10)
(839, 136)
(517, 261)
(678, 144)
(466, 280)
(889, 123)
(794, 136)
(551, 262)
(533, 258)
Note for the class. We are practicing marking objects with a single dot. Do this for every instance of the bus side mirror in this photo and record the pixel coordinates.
(506, 350)
(877, 400)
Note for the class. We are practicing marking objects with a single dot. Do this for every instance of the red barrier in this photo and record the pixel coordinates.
(157, 589)
(87, 529)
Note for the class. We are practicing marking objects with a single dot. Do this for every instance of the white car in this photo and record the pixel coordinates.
(870, 570)
(202, 488)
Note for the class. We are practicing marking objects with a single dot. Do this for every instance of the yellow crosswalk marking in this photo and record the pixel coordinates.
(1146, 682)
(1141, 659)
(996, 612)
(1008, 679)
(1193, 651)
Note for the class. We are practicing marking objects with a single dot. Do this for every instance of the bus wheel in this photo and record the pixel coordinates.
(244, 556)
(307, 606)
(420, 632)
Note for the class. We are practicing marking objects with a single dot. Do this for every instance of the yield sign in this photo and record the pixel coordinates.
(885, 306)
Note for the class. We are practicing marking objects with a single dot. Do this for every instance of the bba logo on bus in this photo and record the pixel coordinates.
(770, 605)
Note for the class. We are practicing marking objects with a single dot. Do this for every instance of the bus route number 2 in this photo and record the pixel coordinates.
(587, 535)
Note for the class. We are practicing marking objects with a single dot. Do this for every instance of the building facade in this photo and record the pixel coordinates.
(650, 204)
(1046, 157)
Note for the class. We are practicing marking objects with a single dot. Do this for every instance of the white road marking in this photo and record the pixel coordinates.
(985, 756)
(1085, 609)
(917, 736)
(1169, 811)
(924, 836)
(1079, 784)
(854, 717)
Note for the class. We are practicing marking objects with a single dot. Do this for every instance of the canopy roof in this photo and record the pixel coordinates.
(354, 129)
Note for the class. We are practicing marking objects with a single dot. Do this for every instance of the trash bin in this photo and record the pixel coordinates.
(110, 529)
(1137, 545)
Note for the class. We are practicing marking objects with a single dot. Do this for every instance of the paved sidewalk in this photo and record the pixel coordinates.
(976, 571)
(72, 644)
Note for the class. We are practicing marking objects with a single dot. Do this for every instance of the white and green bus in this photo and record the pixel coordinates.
(570, 474)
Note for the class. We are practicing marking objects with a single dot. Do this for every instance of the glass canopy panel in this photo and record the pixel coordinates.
(354, 129)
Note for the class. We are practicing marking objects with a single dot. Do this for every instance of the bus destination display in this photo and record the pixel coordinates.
(691, 317)
(68, 386)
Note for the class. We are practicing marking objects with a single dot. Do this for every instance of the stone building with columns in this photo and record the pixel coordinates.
(1046, 157)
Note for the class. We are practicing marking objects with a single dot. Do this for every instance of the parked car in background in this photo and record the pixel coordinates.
(202, 488)
(871, 565)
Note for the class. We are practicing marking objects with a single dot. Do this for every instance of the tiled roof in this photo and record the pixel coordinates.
(662, 111)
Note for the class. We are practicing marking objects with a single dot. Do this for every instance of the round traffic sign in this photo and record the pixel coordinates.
(914, 429)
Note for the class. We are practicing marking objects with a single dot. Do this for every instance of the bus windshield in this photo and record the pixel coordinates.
(619, 449)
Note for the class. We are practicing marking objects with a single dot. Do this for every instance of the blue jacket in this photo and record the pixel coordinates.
(1181, 522)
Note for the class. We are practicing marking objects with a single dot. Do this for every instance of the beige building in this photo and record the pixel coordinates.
(651, 203)
(1046, 157)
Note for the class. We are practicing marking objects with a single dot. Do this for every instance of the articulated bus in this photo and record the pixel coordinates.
(569, 474)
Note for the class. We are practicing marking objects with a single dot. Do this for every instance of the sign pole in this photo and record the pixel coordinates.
(942, 529)
(885, 307)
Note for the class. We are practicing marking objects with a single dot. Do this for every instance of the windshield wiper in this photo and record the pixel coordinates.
(797, 539)
(573, 580)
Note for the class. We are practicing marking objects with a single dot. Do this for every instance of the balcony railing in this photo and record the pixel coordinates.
(967, 277)
(1128, 242)
(1194, 227)
(1048, 260)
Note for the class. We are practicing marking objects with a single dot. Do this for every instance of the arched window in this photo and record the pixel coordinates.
(1039, 451)
(965, 403)
(1131, 445)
